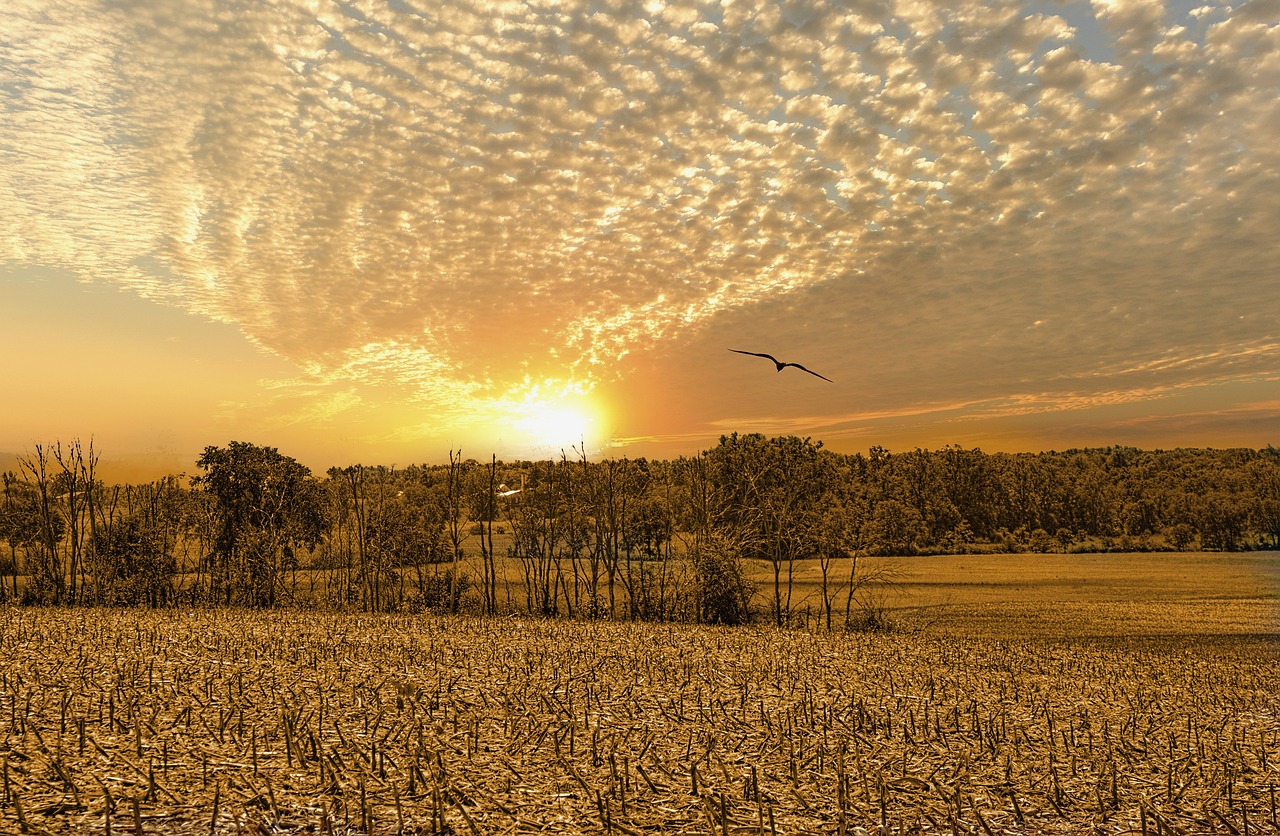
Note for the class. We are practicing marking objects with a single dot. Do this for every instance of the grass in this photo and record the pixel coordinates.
(1060, 595)
(1045, 694)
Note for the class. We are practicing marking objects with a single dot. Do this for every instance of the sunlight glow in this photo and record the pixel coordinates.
(553, 425)
(551, 416)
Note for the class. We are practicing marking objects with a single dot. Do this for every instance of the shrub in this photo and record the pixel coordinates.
(1041, 542)
(723, 590)
(871, 613)
(433, 591)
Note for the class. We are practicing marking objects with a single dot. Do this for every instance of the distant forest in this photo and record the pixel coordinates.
(615, 538)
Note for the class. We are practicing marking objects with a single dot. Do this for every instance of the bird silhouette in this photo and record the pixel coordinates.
(781, 365)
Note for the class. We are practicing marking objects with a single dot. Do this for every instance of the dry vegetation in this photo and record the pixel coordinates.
(276, 722)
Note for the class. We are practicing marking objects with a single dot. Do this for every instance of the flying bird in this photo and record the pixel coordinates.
(781, 365)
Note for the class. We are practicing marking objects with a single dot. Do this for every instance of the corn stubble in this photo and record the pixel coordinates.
(232, 722)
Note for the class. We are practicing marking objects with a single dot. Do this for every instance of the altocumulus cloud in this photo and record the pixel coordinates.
(462, 197)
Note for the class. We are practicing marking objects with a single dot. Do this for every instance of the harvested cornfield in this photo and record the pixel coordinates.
(240, 722)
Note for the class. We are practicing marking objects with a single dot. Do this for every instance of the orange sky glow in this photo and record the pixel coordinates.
(374, 232)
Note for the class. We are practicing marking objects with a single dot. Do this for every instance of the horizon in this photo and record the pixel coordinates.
(368, 233)
(120, 470)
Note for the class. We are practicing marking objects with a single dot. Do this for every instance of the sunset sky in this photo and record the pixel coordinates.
(375, 231)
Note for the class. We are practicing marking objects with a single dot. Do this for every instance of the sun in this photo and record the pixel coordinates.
(549, 419)
(556, 425)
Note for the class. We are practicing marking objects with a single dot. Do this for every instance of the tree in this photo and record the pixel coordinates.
(1266, 521)
(536, 519)
(267, 506)
(894, 528)
(455, 520)
(21, 523)
(377, 520)
(1180, 535)
(615, 490)
(776, 493)
(483, 508)
(76, 488)
(648, 533)
(1222, 522)
(840, 532)
(48, 583)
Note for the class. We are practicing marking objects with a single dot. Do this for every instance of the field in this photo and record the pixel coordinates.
(1058, 595)
(1028, 694)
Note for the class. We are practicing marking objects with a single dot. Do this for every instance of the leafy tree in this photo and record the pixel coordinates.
(776, 492)
(1180, 535)
(267, 507)
(1222, 523)
(894, 528)
(969, 481)
(1041, 542)
(1266, 521)
(922, 484)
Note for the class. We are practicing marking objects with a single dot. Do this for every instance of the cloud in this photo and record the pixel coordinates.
(465, 199)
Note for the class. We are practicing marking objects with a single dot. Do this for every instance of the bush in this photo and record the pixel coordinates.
(870, 620)
(1041, 542)
(433, 591)
(870, 614)
(723, 591)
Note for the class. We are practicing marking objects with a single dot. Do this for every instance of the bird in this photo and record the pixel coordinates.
(781, 365)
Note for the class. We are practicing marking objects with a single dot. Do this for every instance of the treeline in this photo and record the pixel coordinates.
(618, 538)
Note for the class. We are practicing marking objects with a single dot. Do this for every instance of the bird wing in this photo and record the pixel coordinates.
(815, 374)
(755, 354)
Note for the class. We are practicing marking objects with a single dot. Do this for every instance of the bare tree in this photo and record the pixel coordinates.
(720, 593)
(47, 581)
(456, 522)
(614, 496)
(131, 558)
(647, 538)
(21, 523)
(76, 483)
(368, 527)
(489, 555)
(484, 509)
(536, 521)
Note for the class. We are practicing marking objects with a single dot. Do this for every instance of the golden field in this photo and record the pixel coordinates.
(1014, 694)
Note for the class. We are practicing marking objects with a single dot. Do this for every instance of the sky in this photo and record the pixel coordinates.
(378, 231)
